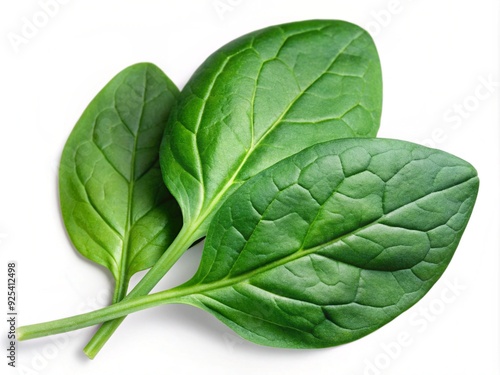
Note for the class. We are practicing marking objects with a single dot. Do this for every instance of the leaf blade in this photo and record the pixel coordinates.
(337, 267)
(242, 126)
(110, 181)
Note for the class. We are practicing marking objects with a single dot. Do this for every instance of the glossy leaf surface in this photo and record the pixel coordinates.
(334, 242)
(264, 97)
(115, 207)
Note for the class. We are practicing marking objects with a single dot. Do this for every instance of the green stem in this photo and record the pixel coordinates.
(114, 311)
(181, 243)
(185, 293)
(120, 290)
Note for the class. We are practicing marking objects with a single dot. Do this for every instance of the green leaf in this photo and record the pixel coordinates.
(264, 97)
(115, 207)
(334, 242)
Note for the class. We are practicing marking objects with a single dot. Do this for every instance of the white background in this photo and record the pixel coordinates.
(437, 59)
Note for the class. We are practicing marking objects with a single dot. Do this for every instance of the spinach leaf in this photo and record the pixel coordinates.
(324, 247)
(331, 244)
(115, 207)
(263, 97)
(255, 101)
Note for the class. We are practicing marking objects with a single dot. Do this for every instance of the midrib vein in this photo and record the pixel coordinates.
(228, 281)
(122, 283)
(254, 145)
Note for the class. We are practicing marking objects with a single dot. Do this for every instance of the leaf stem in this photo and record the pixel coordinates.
(117, 310)
(121, 286)
(181, 243)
